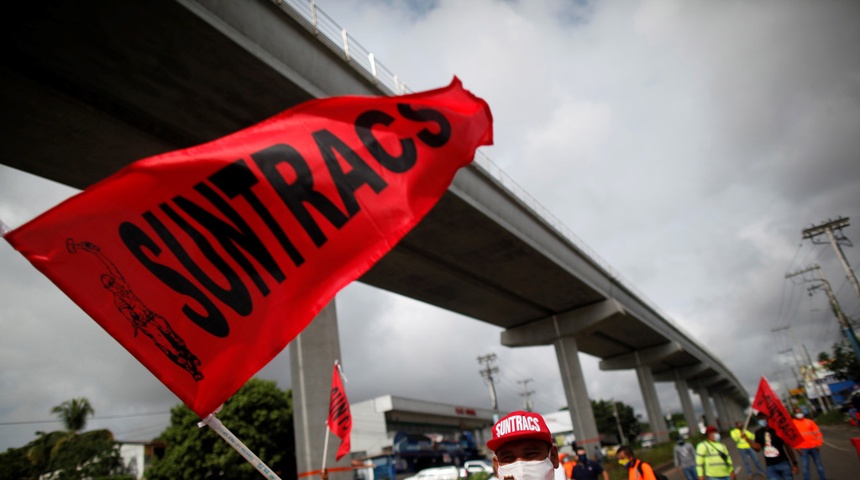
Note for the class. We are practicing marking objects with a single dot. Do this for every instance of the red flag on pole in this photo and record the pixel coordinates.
(339, 417)
(767, 402)
(205, 263)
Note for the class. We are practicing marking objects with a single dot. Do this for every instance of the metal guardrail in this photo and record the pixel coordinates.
(363, 61)
(345, 45)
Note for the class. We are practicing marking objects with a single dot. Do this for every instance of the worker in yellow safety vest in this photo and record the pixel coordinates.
(742, 437)
(712, 457)
(812, 439)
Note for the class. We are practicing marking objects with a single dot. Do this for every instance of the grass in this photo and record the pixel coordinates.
(658, 456)
(833, 417)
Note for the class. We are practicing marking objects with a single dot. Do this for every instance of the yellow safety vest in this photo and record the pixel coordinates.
(709, 462)
(739, 439)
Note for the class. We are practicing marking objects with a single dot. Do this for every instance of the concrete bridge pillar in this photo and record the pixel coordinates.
(707, 407)
(686, 401)
(652, 403)
(723, 418)
(312, 356)
(576, 392)
(563, 331)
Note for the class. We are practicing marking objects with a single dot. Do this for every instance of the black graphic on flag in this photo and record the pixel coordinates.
(141, 317)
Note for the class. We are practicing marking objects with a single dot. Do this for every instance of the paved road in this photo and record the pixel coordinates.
(840, 458)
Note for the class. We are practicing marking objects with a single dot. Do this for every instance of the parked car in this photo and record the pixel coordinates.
(437, 473)
(478, 466)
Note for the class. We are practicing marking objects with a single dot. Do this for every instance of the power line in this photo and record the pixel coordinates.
(105, 417)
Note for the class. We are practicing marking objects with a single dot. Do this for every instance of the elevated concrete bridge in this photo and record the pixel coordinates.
(89, 87)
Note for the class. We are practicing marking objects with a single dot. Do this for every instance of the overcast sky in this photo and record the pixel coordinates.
(687, 143)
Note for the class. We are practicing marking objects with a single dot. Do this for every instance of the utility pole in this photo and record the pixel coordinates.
(833, 229)
(797, 380)
(810, 369)
(847, 329)
(618, 423)
(527, 403)
(488, 372)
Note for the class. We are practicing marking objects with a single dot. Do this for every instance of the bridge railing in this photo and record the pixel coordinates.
(363, 61)
(345, 45)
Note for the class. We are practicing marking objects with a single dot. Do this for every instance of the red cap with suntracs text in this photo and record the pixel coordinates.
(519, 425)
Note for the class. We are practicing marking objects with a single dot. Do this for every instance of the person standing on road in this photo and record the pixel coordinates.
(778, 456)
(567, 463)
(598, 456)
(586, 469)
(685, 459)
(522, 448)
(812, 440)
(742, 437)
(712, 457)
(636, 469)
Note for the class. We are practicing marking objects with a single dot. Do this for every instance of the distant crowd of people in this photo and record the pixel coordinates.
(523, 449)
(711, 460)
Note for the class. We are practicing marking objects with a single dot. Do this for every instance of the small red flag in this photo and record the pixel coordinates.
(339, 418)
(205, 263)
(767, 402)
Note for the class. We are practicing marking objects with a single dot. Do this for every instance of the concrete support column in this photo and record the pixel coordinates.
(723, 420)
(686, 402)
(652, 403)
(312, 356)
(707, 407)
(735, 411)
(579, 405)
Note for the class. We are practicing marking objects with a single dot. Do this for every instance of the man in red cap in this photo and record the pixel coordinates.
(523, 448)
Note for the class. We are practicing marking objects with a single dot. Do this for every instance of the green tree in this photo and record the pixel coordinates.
(14, 464)
(73, 413)
(604, 416)
(843, 362)
(259, 414)
(68, 454)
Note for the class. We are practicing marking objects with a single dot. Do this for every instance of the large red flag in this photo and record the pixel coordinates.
(767, 402)
(339, 417)
(205, 263)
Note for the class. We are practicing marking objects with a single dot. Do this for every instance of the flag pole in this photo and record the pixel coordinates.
(747, 422)
(212, 421)
(4, 229)
(325, 445)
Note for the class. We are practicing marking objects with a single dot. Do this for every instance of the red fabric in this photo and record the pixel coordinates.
(767, 402)
(205, 263)
(339, 417)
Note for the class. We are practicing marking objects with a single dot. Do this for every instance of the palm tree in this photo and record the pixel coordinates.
(73, 413)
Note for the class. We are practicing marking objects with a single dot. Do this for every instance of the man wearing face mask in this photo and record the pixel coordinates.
(742, 438)
(685, 458)
(523, 448)
(587, 469)
(779, 460)
(812, 439)
(712, 457)
(636, 469)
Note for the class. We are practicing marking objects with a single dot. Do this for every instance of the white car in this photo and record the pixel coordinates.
(477, 466)
(437, 473)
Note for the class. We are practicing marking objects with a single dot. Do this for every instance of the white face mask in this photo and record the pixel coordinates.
(531, 470)
(716, 437)
(798, 415)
